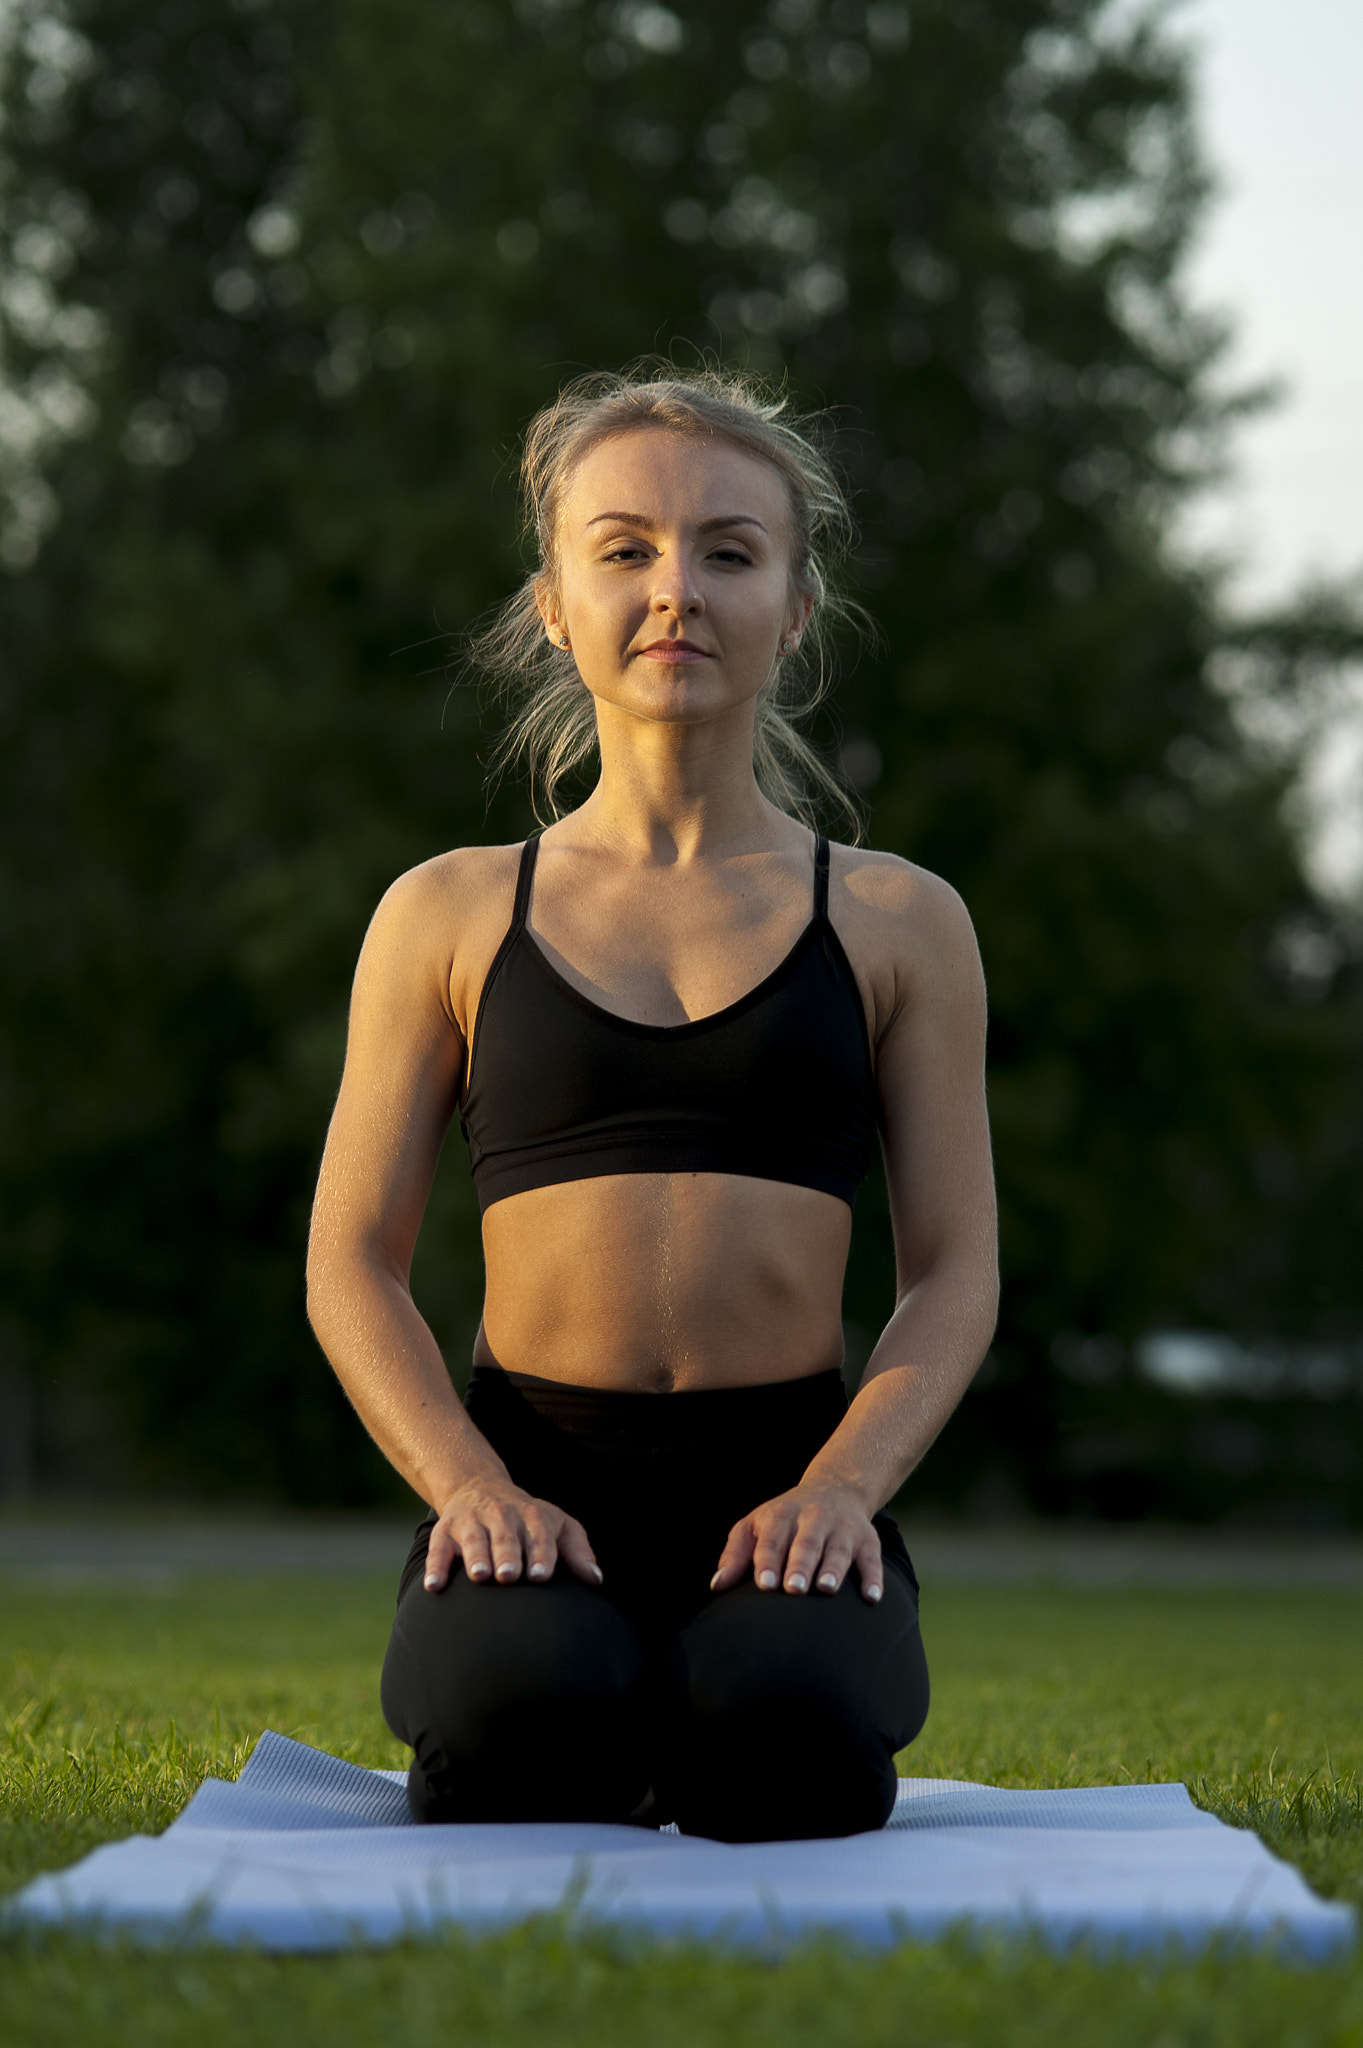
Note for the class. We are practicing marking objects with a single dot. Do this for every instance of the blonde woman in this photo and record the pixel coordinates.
(655, 1583)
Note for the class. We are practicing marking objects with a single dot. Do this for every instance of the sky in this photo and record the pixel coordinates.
(1281, 253)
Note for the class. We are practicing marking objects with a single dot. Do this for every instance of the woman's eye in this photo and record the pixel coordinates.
(631, 551)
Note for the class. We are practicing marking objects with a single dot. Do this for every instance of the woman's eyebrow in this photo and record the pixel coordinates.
(647, 525)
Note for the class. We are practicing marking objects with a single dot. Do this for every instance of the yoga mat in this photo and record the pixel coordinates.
(305, 1852)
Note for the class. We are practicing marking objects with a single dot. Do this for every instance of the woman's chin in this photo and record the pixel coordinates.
(677, 696)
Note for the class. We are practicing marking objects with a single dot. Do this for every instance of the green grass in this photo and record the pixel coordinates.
(114, 1704)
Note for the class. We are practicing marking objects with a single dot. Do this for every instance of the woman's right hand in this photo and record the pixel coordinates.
(500, 1531)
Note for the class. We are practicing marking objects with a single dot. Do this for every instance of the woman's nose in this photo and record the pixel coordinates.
(676, 590)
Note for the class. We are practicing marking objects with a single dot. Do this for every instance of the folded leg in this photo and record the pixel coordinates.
(521, 1702)
(789, 1711)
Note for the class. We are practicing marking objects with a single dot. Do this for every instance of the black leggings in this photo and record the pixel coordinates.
(749, 1716)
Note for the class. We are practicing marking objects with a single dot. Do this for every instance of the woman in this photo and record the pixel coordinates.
(654, 1583)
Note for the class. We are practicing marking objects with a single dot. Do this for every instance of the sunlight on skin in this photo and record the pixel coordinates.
(676, 599)
(670, 893)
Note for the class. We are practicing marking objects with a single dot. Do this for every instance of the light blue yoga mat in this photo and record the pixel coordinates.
(306, 1852)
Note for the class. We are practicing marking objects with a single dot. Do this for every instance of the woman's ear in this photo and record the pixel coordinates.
(547, 605)
(802, 611)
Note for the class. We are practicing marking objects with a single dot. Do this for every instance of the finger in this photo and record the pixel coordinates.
(577, 1553)
(735, 1557)
(441, 1552)
(771, 1550)
(803, 1557)
(832, 1567)
(475, 1547)
(508, 1548)
(871, 1566)
(541, 1550)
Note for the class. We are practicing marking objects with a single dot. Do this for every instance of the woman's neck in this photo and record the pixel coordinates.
(676, 793)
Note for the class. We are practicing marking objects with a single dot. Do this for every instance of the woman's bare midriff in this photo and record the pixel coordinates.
(665, 1282)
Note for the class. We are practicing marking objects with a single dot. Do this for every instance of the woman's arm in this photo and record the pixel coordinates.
(930, 1070)
(399, 1092)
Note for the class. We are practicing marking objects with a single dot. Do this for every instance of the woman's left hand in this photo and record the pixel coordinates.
(804, 1541)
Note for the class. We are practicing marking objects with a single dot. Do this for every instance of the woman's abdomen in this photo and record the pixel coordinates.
(657, 1281)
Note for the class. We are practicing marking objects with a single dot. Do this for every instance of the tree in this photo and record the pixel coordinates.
(328, 266)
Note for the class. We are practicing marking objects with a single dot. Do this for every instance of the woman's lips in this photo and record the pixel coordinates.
(668, 650)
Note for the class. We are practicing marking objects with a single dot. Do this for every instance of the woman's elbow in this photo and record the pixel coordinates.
(341, 1270)
(990, 1296)
(331, 1274)
(322, 1292)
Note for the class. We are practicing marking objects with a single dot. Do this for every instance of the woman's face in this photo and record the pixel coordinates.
(675, 591)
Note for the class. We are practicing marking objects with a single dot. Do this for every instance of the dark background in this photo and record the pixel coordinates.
(280, 286)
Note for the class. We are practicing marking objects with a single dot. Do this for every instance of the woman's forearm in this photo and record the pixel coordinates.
(927, 1355)
(386, 1358)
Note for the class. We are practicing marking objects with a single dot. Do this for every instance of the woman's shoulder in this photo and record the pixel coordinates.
(449, 905)
(887, 891)
(465, 878)
(906, 930)
(438, 928)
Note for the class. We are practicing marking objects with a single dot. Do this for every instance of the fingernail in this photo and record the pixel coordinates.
(767, 1581)
(873, 1592)
(539, 1571)
(829, 1582)
(431, 1582)
(596, 1573)
(476, 1571)
(797, 1582)
(506, 1571)
(714, 1582)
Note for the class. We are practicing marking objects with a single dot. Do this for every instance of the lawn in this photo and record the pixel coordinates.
(116, 1702)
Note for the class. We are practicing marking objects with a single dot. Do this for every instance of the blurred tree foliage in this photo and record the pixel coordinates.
(279, 287)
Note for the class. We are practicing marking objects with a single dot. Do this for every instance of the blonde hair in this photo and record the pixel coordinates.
(552, 728)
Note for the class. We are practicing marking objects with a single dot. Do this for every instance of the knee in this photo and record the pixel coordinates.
(516, 1700)
(793, 1714)
(827, 1661)
(782, 1662)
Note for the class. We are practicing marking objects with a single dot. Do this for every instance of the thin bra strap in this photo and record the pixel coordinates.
(524, 881)
(821, 878)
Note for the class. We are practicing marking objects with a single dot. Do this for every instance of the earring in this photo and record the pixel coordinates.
(789, 646)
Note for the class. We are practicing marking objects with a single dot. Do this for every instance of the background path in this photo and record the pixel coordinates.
(88, 1544)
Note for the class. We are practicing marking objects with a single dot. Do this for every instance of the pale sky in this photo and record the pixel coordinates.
(1282, 253)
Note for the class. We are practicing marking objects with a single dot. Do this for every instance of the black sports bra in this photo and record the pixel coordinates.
(778, 1086)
